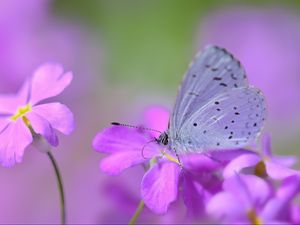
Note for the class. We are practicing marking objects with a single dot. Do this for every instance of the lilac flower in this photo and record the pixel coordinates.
(268, 49)
(250, 199)
(159, 187)
(160, 183)
(21, 111)
(266, 164)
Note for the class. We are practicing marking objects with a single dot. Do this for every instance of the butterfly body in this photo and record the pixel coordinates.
(215, 108)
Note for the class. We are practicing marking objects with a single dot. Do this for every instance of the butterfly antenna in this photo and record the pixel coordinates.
(137, 127)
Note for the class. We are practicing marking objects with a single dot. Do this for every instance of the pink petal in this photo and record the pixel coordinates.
(159, 186)
(200, 163)
(250, 189)
(266, 142)
(275, 209)
(295, 214)
(194, 195)
(13, 141)
(277, 171)
(48, 81)
(4, 121)
(289, 188)
(156, 117)
(43, 127)
(117, 162)
(119, 139)
(239, 163)
(286, 160)
(225, 206)
(58, 116)
(9, 104)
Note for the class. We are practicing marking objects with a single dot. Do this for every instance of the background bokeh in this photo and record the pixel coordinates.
(125, 56)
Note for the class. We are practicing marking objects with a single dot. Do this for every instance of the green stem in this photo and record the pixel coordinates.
(137, 213)
(60, 188)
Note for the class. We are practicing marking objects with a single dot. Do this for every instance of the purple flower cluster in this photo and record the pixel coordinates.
(230, 186)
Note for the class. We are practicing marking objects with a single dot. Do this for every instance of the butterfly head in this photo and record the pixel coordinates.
(163, 139)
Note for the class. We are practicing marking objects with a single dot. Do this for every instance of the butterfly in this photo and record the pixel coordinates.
(216, 108)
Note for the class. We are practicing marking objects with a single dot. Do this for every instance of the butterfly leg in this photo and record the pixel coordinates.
(178, 159)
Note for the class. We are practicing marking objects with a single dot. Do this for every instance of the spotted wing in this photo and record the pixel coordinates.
(212, 72)
(230, 119)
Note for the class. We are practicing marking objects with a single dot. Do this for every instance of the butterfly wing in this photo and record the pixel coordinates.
(231, 119)
(212, 72)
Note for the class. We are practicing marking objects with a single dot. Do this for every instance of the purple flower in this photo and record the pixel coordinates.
(250, 199)
(268, 48)
(128, 147)
(21, 111)
(265, 164)
(159, 187)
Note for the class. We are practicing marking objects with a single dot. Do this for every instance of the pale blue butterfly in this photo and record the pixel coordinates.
(215, 106)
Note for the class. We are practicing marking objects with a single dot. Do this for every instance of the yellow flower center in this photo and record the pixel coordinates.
(260, 169)
(255, 220)
(21, 112)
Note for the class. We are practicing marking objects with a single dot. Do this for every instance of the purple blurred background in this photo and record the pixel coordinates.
(125, 56)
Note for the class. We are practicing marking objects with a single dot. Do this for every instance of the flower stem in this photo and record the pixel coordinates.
(137, 213)
(60, 188)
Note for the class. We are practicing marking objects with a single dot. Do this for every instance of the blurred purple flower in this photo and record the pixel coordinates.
(18, 112)
(250, 199)
(241, 199)
(266, 164)
(267, 43)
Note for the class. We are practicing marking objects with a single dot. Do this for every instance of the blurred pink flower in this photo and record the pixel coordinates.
(31, 35)
(267, 43)
(17, 112)
(249, 199)
(265, 164)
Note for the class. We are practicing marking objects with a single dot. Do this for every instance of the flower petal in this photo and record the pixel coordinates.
(289, 188)
(277, 171)
(9, 104)
(48, 81)
(287, 161)
(13, 141)
(119, 139)
(225, 206)
(239, 163)
(250, 189)
(58, 115)
(211, 160)
(117, 162)
(266, 145)
(159, 186)
(43, 127)
(295, 214)
(156, 117)
(275, 209)
(4, 121)
(194, 195)
(200, 163)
